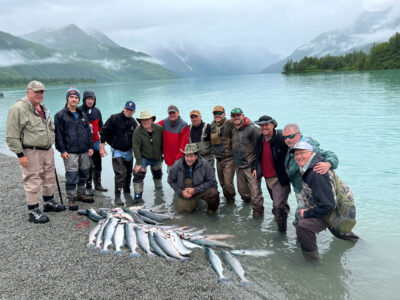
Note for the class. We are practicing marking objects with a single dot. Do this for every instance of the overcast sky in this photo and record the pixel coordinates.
(277, 25)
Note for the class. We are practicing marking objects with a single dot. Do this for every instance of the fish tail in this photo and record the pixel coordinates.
(120, 252)
(104, 252)
(150, 254)
(90, 245)
(223, 279)
(134, 254)
(245, 282)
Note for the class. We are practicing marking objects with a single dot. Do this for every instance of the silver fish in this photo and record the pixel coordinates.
(190, 245)
(154, 216)
(177, 242)
(235, 265)
(134, 214)
(216, 264)
(156, 248)
(99, 238)
(211, 243)
(93, 215)
(108, 234)
(249, 252)
(131, 239)
(143, 242)
(93, 233)
(118, 239)
(167, 247)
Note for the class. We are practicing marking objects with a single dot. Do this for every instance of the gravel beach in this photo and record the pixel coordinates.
(50, 261)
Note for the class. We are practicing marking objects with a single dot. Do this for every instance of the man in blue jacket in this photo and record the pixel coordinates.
(74, 142)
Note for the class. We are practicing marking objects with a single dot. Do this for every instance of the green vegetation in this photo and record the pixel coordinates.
(381, 56)
(15, 82)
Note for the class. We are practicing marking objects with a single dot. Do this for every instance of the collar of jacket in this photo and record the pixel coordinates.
(78, 110)
(245, 123)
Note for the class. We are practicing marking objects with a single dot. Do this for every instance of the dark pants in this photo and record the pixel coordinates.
(226, 173)
(279, 195)
(211, 196)
(123, 173)
(306, 230)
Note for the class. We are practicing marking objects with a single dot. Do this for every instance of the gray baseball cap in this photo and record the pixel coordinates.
(302, 146)
(35, 86)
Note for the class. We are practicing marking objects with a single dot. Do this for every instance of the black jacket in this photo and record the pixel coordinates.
(72, 135)
(118, 131)
(318, 191)
(279, 150)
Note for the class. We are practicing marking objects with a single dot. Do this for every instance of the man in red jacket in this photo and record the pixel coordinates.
(175, 136)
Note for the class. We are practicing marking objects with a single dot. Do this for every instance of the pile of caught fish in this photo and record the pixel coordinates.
(137, 227)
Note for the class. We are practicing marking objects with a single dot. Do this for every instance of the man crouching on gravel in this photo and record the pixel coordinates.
(30, 135)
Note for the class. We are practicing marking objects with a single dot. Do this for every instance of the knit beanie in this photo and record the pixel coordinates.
(73, 91)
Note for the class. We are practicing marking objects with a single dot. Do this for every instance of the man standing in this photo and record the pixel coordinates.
(74, 142)
(147, 147)
(96, 123)
(200, 135)
(319, 196)
(271, 151)
(30, 135)
(118, 133)
(192, 178)
(292, 135)
(221, 140)
(244, 137)
(175, 136)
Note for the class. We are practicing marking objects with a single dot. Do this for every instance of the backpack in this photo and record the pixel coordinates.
(343, 216)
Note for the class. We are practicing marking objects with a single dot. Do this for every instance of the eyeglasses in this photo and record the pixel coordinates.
(297, 154)
(218, 113)
(171, 112)
(290, 136)
(236, 111)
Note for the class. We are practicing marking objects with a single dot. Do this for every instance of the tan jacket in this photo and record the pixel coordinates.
(25, 127)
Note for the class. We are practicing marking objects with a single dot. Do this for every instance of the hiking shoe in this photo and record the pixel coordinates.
(52, 205)
(72, 205)
(37, 216)
(84, 198)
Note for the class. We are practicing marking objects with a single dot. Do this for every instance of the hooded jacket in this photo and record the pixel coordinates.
(93, 115)
(118, 131)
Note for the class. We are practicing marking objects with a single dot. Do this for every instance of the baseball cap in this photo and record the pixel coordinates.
(218, 108)
(237, 111)
(195, 112)
(173, 108)
(130, 105)
(302, 146)
(35, 86)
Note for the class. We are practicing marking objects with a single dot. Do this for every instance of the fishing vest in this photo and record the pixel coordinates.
(205, 147)
(221, 139)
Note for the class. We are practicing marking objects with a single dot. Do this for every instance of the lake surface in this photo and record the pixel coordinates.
(356, 115)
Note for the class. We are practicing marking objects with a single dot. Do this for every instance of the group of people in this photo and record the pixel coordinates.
(192, 152)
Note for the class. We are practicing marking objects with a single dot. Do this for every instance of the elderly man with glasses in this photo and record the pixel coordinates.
(292, 135)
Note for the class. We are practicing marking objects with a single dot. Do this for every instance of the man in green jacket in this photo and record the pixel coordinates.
(292, 135)
(30, 135)
(147, 144)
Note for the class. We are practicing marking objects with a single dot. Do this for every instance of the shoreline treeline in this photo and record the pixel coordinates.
(381, 56)
(16, 82)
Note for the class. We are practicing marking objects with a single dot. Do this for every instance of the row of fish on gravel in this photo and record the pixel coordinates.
(135, 227)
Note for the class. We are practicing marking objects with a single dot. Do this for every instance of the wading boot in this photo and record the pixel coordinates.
(311, 256)
(258, 212)
(246, 199)
(89, 190)
(137, 198)
(282, 221)
(72, 205)
(84, 198)
(158, 183)
(97, 182)
(118, 200)
(37, 216)
(127, 189)
(51, 205)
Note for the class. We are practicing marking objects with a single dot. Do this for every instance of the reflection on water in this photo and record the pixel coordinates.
(353, 114)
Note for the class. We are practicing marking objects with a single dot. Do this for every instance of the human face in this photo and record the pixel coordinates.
(173, 116)
(196, 120)
(218, 117)
(191, 159)
(36, 97)
(267, 129)
(90, 102)
(237, 119)
(128, 112)
(146, 123)
(302, 156)
(291, 141)
(72, 102)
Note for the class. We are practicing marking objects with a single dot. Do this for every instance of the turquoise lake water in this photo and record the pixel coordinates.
(356, 115)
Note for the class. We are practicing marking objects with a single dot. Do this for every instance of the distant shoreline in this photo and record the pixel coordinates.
(22, 82)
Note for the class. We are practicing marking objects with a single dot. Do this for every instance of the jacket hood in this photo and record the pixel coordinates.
(88, 94)
(316, 159)
(246, 122)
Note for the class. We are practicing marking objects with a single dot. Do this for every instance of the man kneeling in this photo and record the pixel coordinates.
(192, 178)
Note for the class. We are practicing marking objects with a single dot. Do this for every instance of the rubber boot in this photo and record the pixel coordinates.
(97, 182)
(118, 200)
(158, 183)
(282, 223)
(137, 198)
(350, 236)
(311, 256)
(246, 199)
(258, 212)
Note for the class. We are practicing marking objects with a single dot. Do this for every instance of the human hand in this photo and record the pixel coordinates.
(90, 153)
(185, 193)
(65, 155)
(24, 161)
(322, 167)
(102, 151)
(254, 174)
(137, 169)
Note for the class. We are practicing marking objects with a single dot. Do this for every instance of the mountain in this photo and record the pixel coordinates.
(188, 60)
(369, 28)
(70, 52)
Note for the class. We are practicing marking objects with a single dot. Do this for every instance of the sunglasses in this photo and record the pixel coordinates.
(194, 116)
(218, 113)
(289, 136)
(236, 111)
(235, 115)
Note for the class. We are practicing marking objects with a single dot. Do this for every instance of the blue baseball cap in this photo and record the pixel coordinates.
(130, 105)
